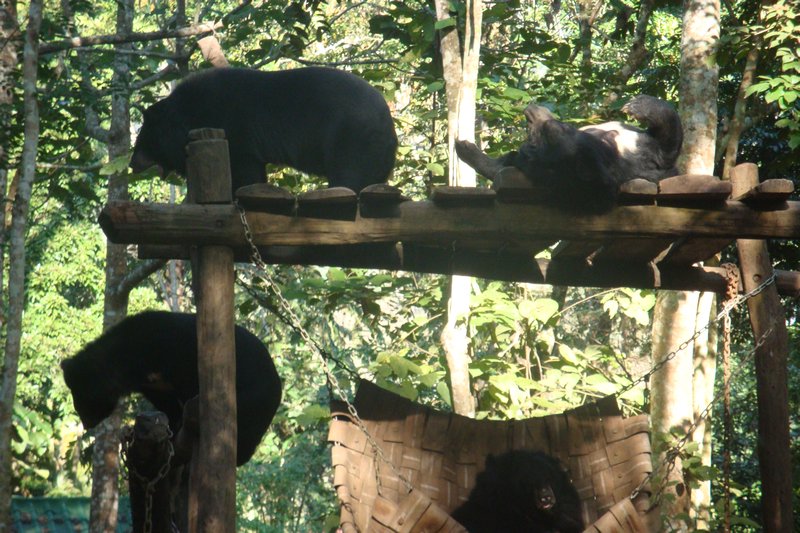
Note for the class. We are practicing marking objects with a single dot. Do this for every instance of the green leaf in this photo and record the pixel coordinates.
(540, 309)
(118, 165)
(444, 23)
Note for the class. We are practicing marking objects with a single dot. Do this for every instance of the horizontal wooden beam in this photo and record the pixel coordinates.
(506, 266)
(505, 225)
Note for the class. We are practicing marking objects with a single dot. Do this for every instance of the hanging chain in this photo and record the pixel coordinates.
(128, 440)
(255, 256)
(728, 306)
(732, 290)
(672, 454)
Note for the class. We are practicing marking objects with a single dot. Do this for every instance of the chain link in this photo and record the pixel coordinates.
(128, 440)
(727, 307)
(674, 451)
(255, 256)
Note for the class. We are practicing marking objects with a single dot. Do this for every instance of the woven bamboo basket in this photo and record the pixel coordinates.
(440, 454)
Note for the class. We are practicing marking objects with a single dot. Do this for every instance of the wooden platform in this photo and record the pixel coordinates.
(651, 240)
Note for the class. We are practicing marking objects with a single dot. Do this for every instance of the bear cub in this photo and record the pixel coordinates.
(521, 492)
(154, 353)
(318, 120)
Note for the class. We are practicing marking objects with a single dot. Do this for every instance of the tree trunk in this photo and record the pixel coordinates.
(705, 368)
(16, 274)
(461, 80)
(676, 313)
(673, 323)
(105, 460)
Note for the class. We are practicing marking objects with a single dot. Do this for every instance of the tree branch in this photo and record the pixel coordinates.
(138, 274)
(75, 42)
(638, 52)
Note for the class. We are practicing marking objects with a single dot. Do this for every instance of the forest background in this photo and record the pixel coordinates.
(533, 350)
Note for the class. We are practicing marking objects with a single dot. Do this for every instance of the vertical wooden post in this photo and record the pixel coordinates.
(771, 363)
(212, 493)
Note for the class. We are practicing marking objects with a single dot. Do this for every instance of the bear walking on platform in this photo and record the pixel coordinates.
(318, 120)
(154, 353)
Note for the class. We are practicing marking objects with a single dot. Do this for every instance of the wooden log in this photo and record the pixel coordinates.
(135, 223)
(771, 362)
(583, 250)
(634, 250)
(212, 497)
(390, 255)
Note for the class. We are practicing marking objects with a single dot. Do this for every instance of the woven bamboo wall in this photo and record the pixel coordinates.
(440, 454)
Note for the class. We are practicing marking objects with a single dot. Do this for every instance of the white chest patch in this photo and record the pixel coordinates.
(626, 136)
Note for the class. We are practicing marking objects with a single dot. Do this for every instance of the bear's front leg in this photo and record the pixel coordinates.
(486, 166)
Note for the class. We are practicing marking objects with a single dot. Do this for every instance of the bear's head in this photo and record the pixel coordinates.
(162, 139)
(93, 394)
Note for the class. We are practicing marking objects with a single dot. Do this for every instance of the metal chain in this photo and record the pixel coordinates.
(673, 452)
(128, 439)
(255, 256)
(732, 291)
(727, 307)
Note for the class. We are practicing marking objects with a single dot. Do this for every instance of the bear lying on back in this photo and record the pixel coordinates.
(155, 353)
(317, 120)
(583, 168)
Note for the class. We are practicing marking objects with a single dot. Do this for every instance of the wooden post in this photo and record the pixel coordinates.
(212, 496)
(771, 363)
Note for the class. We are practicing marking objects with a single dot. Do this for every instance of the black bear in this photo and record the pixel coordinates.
(318, 120)
(521, 492)
(583, 168)
(155, 353)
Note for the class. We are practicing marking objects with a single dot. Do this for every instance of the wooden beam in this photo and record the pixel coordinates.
(212, 492)
(423, 222)
(767, 317)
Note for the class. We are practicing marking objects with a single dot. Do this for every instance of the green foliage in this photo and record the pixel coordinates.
(780, 32)
(535, 351)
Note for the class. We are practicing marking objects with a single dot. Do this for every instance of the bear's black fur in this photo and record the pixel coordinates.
(521, 492)
(317, 120)
(583, 168)
(155, 353)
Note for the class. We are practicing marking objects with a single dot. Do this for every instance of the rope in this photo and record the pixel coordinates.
(333, 382)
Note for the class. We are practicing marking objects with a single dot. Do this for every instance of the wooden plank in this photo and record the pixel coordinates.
(576, 251)
(512, 186)
(334, 203)
(266, 197)
(381, 193)
(135, 223)
(633, 250)
(771, 362)
(767, 193)
(451, 196)
(212, 493)
(693, 187)
(380, 201)
(689, 250)
(637, 192)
